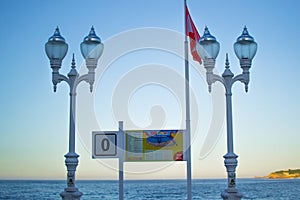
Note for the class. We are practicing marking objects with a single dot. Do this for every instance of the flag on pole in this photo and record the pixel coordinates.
(191, 31)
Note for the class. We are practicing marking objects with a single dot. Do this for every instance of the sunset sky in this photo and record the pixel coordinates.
(34, 121)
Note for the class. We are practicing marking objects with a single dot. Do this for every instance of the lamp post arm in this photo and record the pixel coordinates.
(209, 64)
(57, 78)
(212, 78)
(239, 77)
(215, 78)
(81, 78)
(243, 78)
(89, 78)
(76, 79)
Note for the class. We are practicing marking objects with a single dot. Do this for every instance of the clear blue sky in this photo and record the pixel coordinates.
(34, 120)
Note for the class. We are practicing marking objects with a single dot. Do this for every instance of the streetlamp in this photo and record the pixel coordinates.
(56, 49)
(245, 49)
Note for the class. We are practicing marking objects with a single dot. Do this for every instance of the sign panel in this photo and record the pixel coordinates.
(154, 145)
(104, 144)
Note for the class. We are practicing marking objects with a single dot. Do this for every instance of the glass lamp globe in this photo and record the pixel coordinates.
(208, 46)
(245, 47)
(91, 47)
(56, 47)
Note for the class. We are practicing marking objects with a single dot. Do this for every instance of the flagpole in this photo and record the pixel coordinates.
(187, 112)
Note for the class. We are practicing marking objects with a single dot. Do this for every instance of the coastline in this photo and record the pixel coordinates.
(283, 174)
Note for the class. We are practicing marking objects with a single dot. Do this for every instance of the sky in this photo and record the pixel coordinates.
(140, 80)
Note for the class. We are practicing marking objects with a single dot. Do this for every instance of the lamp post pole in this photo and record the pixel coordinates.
(245, 49)
(56, 49)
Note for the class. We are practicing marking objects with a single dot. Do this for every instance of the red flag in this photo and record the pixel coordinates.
(191, 31)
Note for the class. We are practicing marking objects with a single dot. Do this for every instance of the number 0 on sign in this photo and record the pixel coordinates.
(104, 144)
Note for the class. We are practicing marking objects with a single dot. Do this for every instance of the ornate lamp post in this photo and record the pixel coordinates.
(56, 49)
(245, 49)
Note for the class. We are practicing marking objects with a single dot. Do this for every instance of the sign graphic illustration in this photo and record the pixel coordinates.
(154, 145)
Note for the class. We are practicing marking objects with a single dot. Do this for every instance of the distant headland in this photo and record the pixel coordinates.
(290, 173)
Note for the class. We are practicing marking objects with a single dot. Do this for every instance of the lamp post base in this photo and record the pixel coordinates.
(231, 195)
(73, 194)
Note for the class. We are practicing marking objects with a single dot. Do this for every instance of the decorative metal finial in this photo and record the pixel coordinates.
(207, 36)
(92, 37)
(227, 72)
(56, 36)
(209, 88)
(245, 36)
(206, 32)
(227, 62)
(73, 72)
(73, 64)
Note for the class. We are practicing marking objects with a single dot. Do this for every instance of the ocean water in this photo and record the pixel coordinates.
(288, 189)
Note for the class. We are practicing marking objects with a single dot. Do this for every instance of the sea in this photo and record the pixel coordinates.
(275, 189)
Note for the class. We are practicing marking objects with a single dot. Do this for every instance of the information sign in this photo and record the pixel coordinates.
(154, 145)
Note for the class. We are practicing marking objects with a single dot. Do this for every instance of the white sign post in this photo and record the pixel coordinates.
(121, 160)
(111, 144)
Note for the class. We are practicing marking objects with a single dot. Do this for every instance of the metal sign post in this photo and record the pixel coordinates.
(141, 146)
(121, 161)
(110, 144)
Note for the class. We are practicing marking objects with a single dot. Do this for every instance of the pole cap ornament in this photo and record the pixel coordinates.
(92, 37)
(245, 36)
(56, 37)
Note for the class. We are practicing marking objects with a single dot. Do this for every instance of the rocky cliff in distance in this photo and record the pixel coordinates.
(290, 173)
